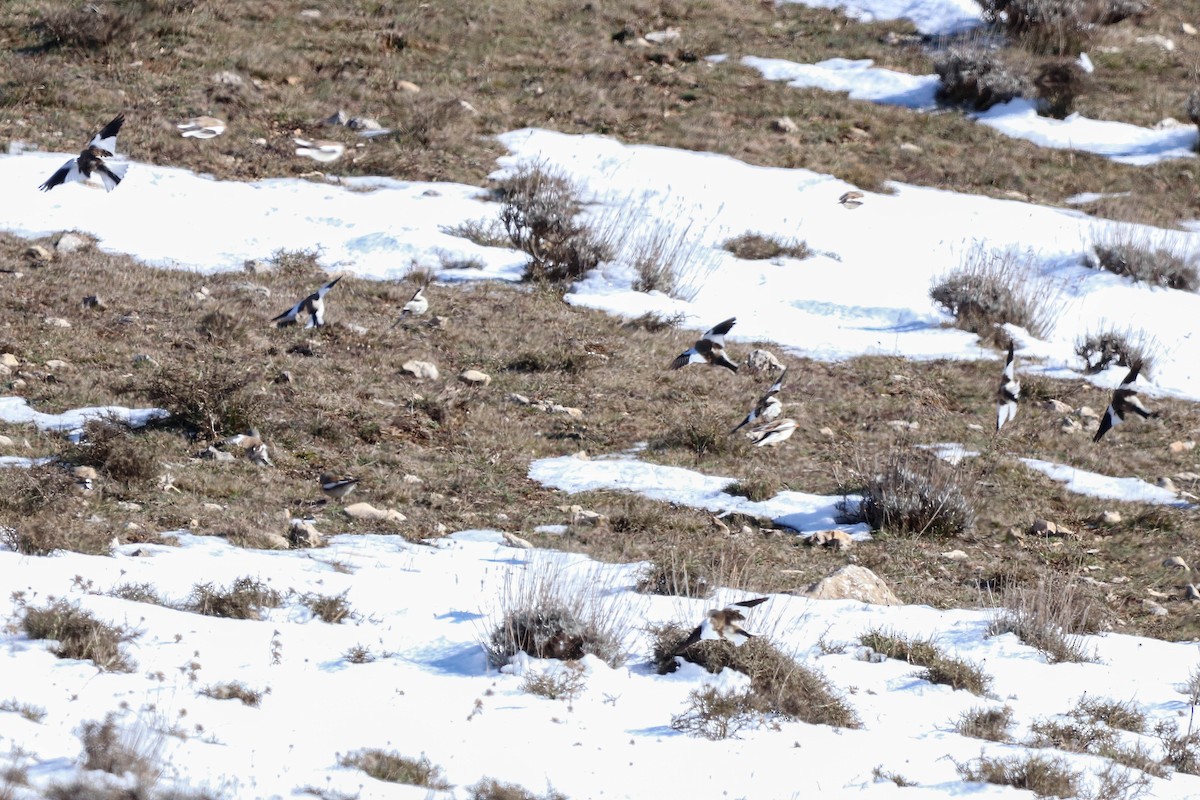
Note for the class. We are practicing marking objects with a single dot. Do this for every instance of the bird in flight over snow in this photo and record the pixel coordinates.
(851, 200)
(722, 623)
(708, 349)
(1124, 400)
(313, 305)
(91, 161)
(1007, 394)
(768, 407)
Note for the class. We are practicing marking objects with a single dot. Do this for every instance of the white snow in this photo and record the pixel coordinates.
(930, 17)
(1094, 484)
(17, 410)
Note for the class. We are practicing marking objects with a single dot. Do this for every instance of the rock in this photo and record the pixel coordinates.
(127, 505)
(1056, 406)
(570, 411)
(759, 361)
(216, 455)
(954, 555)
(1070, 425)
(512, 540)
(583, 516)
(904, 425)
(408, 86)
(6, 441)
(143, 360)
(1087, 412)
(421, 370)
(227, 78)
(826, 432)
(258, 266)
(1181, 447)
(70, 242)
(57, 364)
(1188, 28)
(56, 322)
(519, 398)
(784, 125)
(662, 37)
(302, 533)
(9, 360)
(475, 377)
(38, 254)
(1155, 609)
(269, 540)
(84, 473)
(310, 13)
(909, 147)
(1044, 527)
(413, 479)
(369, 512)
(1109, 518)
(852, 582)
(213, 507)
(1176, 562)
(833, 539)
(1190, 477)
(5, 370)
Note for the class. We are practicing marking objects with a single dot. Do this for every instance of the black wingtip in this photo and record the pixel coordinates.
(113, 127)
(722, 328)
(752, 602)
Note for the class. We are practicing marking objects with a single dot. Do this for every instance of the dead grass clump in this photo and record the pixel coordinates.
(395, 768)
(79, 635)
(992, 288)
(1181, 749)
(331, 608)
(939, 668)
(1060, 27)
(1095, 739)
(654, 322)
(207, 398)
(916, 493)
(1192, 109)
(1191, 687)
(540, 213)
(548, 615)
(756, 488)
(1045, 777)
(246, 598)
(1122, 716)
(1049, 617)
(138, 593)
(87, 26)
(234, 690)
(558, 682)
(780, 685)
(675, 575)
(113, 450)
(1157, 265)
(220, 327)
(122, 750)
(483, 232)
(1058, 83)
(1123, 348)
(46, 535)
(976, 79)
(303, 263)
(492, 789)
(990, 724)
(704, 437)
(666, 259)
(752, 246)
(718, 713)
(27, 710)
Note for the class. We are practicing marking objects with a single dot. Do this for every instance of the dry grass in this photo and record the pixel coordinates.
(331, 608)
(395, 768)
(79, 635)
(939, 668)
(718, 713)
(1044, 777)
(27, 710)
(234, 690)
(990, 724)
(1161, 264)
(914, 493)
(245, 598)
(976, 79)
(1125, 348)
(564, 681)
(1049, 616)
(492, 789)
(120, 750)
(992, 288)
(760, 247)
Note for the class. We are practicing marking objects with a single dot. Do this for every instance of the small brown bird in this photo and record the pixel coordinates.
(337, 486)
(768, 407)
(708, 349)
(91, 160)
(722, 623)
(851, 200)
(1124, 400)
(1007, 394)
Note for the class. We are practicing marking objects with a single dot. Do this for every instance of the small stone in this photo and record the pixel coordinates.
(83, 473)
(909, 147)
(1181, 447)
(227, 78)
(408, 86)
(1070, 425)
(56, 364)
(1176, 562)
(662, 37)
(18, 384)
(954, 555)
(369, 512)
(827, 432)
(6, 441)
(411, 479)
(216, 455)
(759, 361)
(1188, 28)
(214, 507)
(1157, 40)
(143, 360)
(302, 533)
(512, 540)
(56, 322)
(904, 425)
(833, 539)
(1087, 412)
(519, 398)
(475, 377)
(1109, 518)
(1056, 406)
(421, 370)
(38, 254)
(258, 266)
(127, 505)
(9, 360)
(310, 13)
(70, 242)
(1155, 609)
(784, 125)
(573, 413)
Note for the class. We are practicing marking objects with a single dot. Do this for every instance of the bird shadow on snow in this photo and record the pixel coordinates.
(467, 661)
(460, 616)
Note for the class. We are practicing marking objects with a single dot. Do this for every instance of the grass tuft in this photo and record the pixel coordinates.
(990, 724)
(917, 494)
(939, 668)
(1048, 617)
(79, 635)
(1044, 777)
(245, 598)
(752, 246)
(717, 714)
(1146, 262)
(992, 288)
(492, 789)
(395, 768)
(234, 690)
(976, 79)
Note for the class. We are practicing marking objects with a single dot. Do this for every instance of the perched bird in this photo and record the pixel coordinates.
(768, 407)
(772, 433)
(337, 486)
(1124, 400)
(708, 349)
(415, 307)
(313, 305)
(252, 446)
(91, 160)
(851, 200)
(722, 623)
(201, 128)
(1007, 394)
(321, 150)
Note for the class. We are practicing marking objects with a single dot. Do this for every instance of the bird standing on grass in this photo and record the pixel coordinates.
(313, 305)
(1124, 400)
(337, 486)
(708, 349)
(769, 434)
(1008, 392)
(768, 407)
(91, 160)
(722, 623)
(415, 307)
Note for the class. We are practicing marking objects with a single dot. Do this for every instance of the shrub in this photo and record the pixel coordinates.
(1157, 265)
(756, 488)
(1048, 617)
(118, 751)
(209, 398)
(483, 232)
(304, 263)
(331, 608)
(246, 598)
(112, 449)
(539, 212)
(87, 26)
(234, 690)
(45, 535)
(1191, 687)
(666, 259)
(991, 724)
(1058, 83)
(992, 288)
(1124, 348)
(1093, 739)
(676, 575)
(138, 593)
(1045, 777)
(975, 79)
(559, 682)
(718, 714)
(703, 436)
(27, 710)
(548, 615)
(916, 493)
(654, 322)
(1061, 27)
(395, 768)
(939, 668)
(79, 635)
(1192, 109)
(760, 247)
(492, 789)
(1123, 716)
(1181, 751)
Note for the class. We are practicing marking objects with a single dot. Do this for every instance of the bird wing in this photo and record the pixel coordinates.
(111, 175)
(689, 356)
(320, 293)
(1111, 419)
(63, 175)
(777, 386)
(1005, 411)
(291, 314)
(106, 139)
(1010, 367)
(717, 332)
(692, 638)
(1127, 384)
(752, 602)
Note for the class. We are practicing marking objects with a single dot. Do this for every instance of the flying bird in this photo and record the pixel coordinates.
(1007, 394)
(768, 407)
(337, 486)
(91, 160)
(851, 200)
(722, 623)
(201, 128)
(313, 305)
(321, 150)
(708, 349)
(1124, 400)
(772, 433)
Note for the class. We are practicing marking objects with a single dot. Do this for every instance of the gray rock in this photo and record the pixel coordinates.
(852, 582)
(421, 370)
(70, 242)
